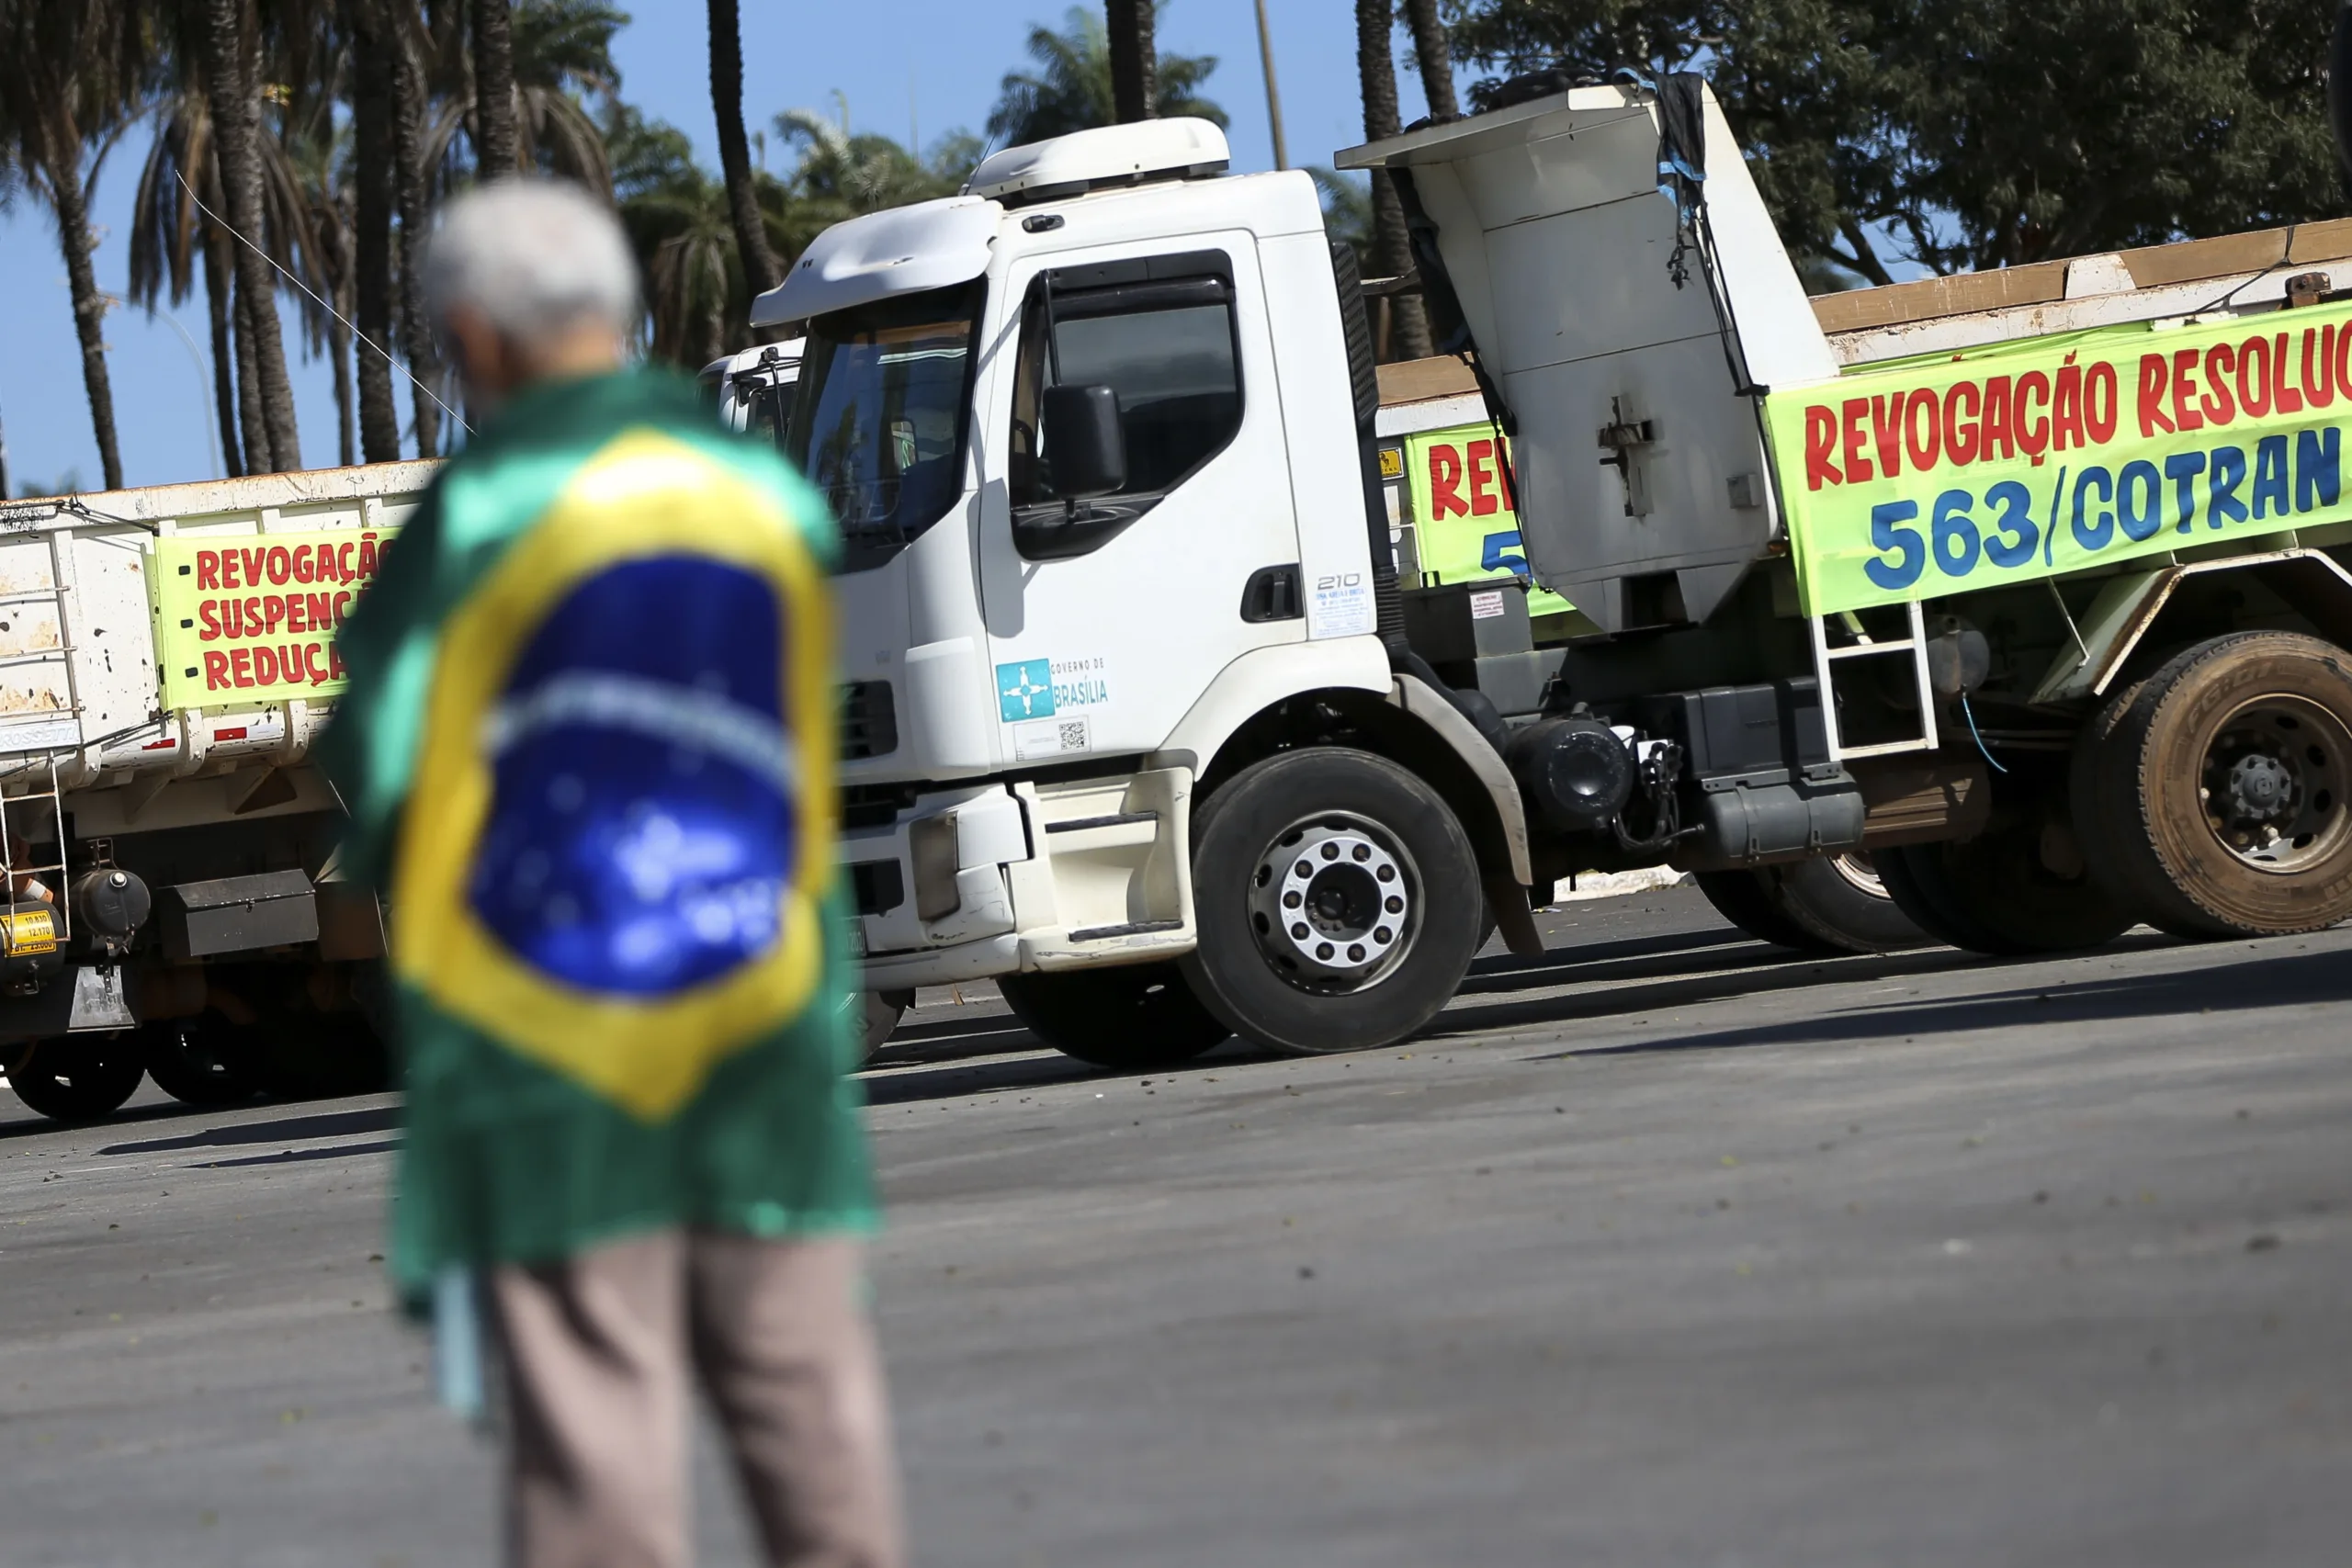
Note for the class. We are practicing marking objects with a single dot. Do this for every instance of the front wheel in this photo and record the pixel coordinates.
(1338, 902)
(79, 1077)
(1136, 1017)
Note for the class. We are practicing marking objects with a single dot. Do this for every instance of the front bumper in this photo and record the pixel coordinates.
(968, 883)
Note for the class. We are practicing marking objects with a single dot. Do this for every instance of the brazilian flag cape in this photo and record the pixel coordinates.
(587, 750)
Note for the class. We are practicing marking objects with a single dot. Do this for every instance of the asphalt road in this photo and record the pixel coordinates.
(1663, 1251)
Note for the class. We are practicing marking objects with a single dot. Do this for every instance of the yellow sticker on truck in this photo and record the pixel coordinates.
(2031, 460)
(250, 618)
(24, 932)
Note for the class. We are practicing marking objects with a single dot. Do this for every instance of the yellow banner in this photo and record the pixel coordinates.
(247, 619)
(1466, 520)
(2031, 460)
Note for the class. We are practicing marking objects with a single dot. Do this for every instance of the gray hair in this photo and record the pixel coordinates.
(535, 257)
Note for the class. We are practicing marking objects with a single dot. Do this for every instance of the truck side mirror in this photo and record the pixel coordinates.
(1084, 442)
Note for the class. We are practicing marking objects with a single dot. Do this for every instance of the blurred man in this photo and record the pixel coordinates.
(588, 752)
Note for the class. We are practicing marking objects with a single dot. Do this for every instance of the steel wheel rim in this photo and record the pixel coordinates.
(1855, 869)
(1334, 903)
(2273, 783)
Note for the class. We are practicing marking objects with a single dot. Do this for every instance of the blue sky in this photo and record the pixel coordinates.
(944, 75)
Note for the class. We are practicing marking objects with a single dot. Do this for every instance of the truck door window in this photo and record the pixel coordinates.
(877, 417)
(1165, 345)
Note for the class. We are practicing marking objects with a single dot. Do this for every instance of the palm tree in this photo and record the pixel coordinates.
(170, 237)
(70, 74)
(1071, 87)
(561, 54)
(681, 227)
(840, 175)
(1434, 57)
(1133, 58)
(496, 151)
(404, 42)
(734, 153)
(1409, 333)
(374, 188)
(230, 57)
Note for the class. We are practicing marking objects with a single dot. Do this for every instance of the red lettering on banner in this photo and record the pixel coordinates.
(1886, 432)
(1962, 437)
(2184, 387)
(209, 612)
(2319, 394)
(255, 562)
(1446, 486)
(2033, 435)
(241, 667)
(1850, 416)
(2288, 400)
(280, 564)
(1999, 420)
(264, 665)
(2152, 395)
(208, 568)
(2217, 405)
(216, 669)
(1482, 505)
(1921, 446)
(2101, 416)
(1820, 447)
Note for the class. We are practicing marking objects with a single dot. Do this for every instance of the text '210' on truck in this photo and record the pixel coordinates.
(1203, 678)
(2019, 592)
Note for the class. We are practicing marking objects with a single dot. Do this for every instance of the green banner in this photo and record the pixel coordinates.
(1466, 521)
(242, 619)
(2029, 460)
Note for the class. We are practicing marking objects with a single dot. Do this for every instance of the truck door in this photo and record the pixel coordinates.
(1107, 617)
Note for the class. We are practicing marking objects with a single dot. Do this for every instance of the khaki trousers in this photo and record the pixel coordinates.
(598, 1351)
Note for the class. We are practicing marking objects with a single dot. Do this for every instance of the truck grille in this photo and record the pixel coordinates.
(869, 720)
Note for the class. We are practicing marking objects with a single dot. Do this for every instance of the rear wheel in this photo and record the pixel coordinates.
(203, 1060)
(1841, 900)
(79, 1077)
(1745, 899)
(2226, 786)
(2021, 886)
(1137, 1018)
(1339, 902)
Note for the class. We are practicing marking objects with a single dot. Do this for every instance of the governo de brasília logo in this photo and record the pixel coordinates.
(1025, 690)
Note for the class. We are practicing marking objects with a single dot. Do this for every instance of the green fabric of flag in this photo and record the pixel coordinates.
(551, 1107)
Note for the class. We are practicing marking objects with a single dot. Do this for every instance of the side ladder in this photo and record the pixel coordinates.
(1829, 659)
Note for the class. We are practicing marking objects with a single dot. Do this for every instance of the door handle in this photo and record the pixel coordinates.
(1272, 594)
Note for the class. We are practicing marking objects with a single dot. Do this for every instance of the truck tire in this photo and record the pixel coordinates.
(2225, 787)
(877, 1014)
(1746, 900)
(1136, 1017)
(198, 1061)
(79, 1077)
(1842, 902)
(1338, 902)
(2022, 887)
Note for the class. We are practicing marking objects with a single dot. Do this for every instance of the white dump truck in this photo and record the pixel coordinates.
(1145, 724)
(2006, 609)
(166, 659)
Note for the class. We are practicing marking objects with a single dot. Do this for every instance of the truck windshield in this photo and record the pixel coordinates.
(878, 417)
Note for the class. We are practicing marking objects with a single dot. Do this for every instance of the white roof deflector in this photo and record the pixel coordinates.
(1109, 155)
(933, 244)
